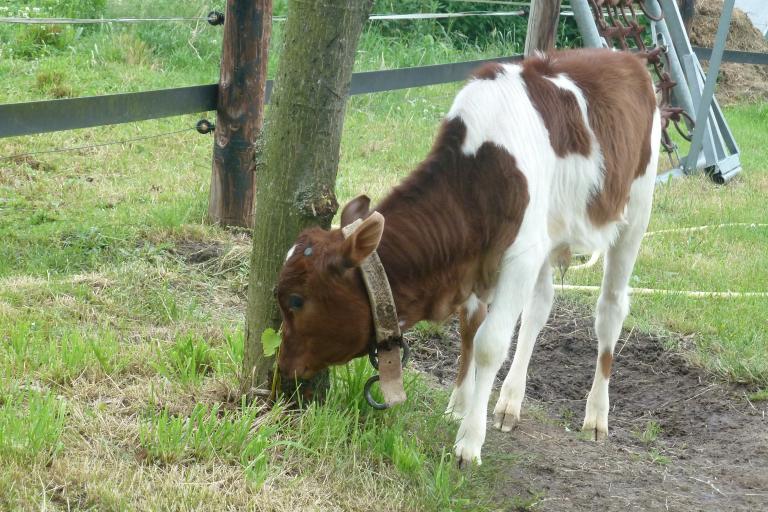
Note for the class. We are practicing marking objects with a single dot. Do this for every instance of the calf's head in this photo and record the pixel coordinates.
(326, 314)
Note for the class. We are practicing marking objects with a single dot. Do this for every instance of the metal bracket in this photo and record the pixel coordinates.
(713, 147)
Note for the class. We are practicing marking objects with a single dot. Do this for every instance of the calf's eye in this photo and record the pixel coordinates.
(295, 301)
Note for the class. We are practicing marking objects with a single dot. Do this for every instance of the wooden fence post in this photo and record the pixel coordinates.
(542, 25)
(240, 109)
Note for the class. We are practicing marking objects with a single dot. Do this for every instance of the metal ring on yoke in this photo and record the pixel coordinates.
(374, 358)
(369, 398)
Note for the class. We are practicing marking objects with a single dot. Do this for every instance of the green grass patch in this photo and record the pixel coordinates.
(188, 360)
(650, 433)
(31, 424)
(412, 440)
(209, 432)
(58, 355)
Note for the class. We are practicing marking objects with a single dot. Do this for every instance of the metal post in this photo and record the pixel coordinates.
(709, 87)
(681, 96)
(586, 23)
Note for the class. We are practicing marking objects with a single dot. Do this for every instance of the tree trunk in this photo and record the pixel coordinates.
(542, 26)
(239, 113)
(296, 173)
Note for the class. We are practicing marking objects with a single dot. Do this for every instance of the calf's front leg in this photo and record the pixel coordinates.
(519, 268)
(535, 314)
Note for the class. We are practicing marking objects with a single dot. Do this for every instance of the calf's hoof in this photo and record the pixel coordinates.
(505, 421)
(467, 455)
(598, 435)
(595, 432)
(506, 414)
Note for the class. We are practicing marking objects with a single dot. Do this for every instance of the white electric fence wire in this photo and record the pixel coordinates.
(591, 263)
(431, 15)
(441, 15)
(658, 291)
(374, 17)
(492, 2)
(709, 226)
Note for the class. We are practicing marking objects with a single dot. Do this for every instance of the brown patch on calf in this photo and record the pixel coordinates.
(488, 71)
(558, 108)
(620, 114)
(606, 362)
(449, 223)
(468, 326)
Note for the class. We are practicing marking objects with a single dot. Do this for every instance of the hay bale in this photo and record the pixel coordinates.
(737, 83)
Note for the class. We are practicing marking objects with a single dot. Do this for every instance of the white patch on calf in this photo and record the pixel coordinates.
(563, 82)
(471, 305)
(290, 253)
(499, 111)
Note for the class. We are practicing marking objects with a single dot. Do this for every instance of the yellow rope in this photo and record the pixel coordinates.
(659, 291)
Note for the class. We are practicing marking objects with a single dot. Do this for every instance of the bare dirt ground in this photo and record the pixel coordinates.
(679, 439)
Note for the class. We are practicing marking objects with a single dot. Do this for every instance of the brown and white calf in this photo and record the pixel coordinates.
(531, 162)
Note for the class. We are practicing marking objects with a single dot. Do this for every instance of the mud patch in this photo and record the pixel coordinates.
(679, 439)
(195, 252)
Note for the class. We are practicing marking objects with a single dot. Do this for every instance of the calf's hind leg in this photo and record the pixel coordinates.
(613, 303)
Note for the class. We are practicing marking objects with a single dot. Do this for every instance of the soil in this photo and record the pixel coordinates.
(709, 451)
(737, 82)
(196, 252)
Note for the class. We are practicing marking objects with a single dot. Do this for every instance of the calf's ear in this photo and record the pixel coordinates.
(355, 209)
(363, 241)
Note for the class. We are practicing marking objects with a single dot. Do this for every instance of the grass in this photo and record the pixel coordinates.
(121, 342)
(30, 426)
(650, 434)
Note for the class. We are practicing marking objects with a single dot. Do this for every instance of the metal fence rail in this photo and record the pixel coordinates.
(734, 56)
(68, 114)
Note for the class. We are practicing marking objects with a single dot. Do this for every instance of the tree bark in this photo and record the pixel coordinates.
(296, 173)
(542, 26)
(239, 113)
